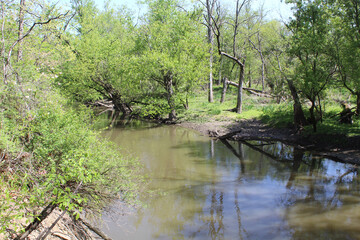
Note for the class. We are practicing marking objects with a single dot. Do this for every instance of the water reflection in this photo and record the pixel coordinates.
(231, 190)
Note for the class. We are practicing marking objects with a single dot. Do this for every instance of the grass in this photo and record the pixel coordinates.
(264, 109)
(200, 110)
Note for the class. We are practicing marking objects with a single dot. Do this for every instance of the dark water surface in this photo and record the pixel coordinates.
(212, 190)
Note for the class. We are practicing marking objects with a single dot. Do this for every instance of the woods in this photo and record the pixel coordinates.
(57, 60)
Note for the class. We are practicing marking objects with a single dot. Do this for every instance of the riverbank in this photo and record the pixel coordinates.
(334, 146)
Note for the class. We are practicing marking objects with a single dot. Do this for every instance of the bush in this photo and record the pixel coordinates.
(55, 157)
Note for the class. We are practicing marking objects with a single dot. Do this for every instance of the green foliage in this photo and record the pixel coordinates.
(102, 61)
(48, 149)
(201, 110)
(331, 126)
(277, 115)
(173, 53)
(49, 152)
(310, 43)
(345, 51)
(61, 153)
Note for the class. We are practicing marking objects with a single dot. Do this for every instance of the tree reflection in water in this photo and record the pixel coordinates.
(238, 190)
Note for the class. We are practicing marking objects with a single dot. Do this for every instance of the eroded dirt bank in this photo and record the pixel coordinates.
(336, 147)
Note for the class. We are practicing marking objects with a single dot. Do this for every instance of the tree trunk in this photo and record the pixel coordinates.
(186, 104)
(211, 95)
(313, 120)
(118, 104)
(262, 72)
(220, 72)
(299, 117)
(249, 76)
(113, 94)
(358, 103)
(209, 6)
(225, 86)
(21, 29)
(240, 89)
(3, 41)
(168, 80)
(262, 62)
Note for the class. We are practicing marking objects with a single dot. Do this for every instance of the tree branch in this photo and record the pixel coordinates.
(8, 60)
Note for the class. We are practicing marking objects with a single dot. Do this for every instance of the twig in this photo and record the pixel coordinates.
(46, 232)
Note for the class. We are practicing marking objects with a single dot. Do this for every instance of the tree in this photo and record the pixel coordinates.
(310, 45)
(283, 64)
(346, 51)
(50, 155)
(236, 56)
(259, 46)
(102, 61)
(8, 51)
(172, 52)
(209, 7)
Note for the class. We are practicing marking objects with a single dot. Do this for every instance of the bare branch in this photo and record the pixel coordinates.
(8, 60)
(3, 40)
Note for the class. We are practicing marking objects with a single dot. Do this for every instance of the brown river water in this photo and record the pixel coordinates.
(210, 189)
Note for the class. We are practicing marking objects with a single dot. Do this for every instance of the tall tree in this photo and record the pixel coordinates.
(102, 58)
(257, 44)
(21, 28)
(209, 6)
(173, 52)
(235, 53)
(282, 63)
(346, 42)
(310, 45)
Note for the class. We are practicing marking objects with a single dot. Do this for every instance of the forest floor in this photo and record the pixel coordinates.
(338, 147)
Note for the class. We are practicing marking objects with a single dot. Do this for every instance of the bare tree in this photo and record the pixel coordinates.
(259, 50)
(209, 6)
(235, 55)
(7, 54)
(3, 39)
(21, 28)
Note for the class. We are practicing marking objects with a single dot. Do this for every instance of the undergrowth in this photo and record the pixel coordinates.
(267, 110)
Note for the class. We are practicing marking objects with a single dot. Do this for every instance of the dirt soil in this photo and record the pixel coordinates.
(336, 147)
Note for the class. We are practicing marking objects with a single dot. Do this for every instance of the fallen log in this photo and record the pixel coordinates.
(252, 90)
(229, 135)
(37, 221)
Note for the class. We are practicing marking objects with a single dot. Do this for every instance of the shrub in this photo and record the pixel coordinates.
(57, 158)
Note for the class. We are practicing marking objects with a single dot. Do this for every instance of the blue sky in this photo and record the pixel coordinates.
(274, 8)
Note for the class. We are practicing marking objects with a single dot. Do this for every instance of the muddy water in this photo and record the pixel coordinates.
(228, 190)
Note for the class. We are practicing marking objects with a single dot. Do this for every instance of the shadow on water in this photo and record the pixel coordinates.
(235, 190)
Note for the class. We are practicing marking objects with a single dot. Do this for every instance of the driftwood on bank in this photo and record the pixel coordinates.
(215, 134)
(252, 90)
(37, 221)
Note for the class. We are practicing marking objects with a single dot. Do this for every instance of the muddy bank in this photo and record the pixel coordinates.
(336, 147)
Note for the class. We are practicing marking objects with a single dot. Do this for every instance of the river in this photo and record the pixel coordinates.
(206, 189)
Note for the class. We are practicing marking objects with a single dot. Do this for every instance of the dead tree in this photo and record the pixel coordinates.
(235, 56)
(209, 6)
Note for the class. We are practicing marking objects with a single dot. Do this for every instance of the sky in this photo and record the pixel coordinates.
(275, 9)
